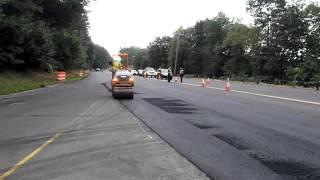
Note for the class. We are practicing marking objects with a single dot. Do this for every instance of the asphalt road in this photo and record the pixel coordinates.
(250, 133)
(78, 131)
(253, 132)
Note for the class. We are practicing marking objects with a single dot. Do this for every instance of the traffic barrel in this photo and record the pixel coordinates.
(81, 73)
(228, 86)
(61, 76)
(203, 84)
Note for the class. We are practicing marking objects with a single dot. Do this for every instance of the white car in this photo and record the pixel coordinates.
(134, 72)
(149, 72)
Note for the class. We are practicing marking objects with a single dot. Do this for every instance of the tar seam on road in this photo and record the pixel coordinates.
(29, 157)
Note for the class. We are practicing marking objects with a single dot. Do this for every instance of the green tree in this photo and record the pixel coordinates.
(158, 52)
(25, 42)
(41, 34)
(311, 64)
(70, 53)
(282, 30)
(239, 42)
(101, 57)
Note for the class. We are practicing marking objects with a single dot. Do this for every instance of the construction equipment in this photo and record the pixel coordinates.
(122, 81)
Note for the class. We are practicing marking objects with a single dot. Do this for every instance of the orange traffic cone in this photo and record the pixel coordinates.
(228, 86)
(203, 84)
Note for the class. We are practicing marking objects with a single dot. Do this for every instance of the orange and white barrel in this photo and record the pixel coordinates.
(228, 86)
(81, 73)
(61, 76)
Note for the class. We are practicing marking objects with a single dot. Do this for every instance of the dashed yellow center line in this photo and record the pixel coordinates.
(29, 157)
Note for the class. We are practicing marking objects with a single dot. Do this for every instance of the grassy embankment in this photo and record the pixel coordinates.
(13, 82)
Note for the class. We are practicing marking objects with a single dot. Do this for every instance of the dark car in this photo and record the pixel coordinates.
(162, 73)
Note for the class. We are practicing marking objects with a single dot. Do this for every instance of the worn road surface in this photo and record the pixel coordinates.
(78, 131)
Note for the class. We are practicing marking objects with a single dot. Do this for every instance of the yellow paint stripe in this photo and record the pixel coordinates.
(29, 157)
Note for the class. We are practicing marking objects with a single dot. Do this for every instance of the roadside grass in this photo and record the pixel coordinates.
(13, 82)
(73, 75)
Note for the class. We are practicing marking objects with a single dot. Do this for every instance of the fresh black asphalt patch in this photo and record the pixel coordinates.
(204, 126)
(293, 170)
(174, 106)
(233, 141)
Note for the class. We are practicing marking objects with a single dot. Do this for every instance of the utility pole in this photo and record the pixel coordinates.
(177, 51)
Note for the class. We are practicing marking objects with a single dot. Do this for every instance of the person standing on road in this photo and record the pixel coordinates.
(169, 75)
(181, 73)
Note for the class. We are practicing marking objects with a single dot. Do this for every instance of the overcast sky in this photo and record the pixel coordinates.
(123, 23)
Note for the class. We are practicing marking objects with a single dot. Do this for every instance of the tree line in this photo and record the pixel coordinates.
(282, 45)
(47, 35)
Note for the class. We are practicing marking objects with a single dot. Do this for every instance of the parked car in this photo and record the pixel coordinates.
(134, 72)
(162, 73)
(149, 72)
(98, 69)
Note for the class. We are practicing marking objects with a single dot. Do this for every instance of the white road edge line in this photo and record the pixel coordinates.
(191, 84)
(278, 97)
(263, 95)
(18, 103)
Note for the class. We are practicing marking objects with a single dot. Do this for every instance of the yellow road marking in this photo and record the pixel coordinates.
(29, 157)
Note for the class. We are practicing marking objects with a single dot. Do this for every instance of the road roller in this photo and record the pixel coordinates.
(122, 85)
